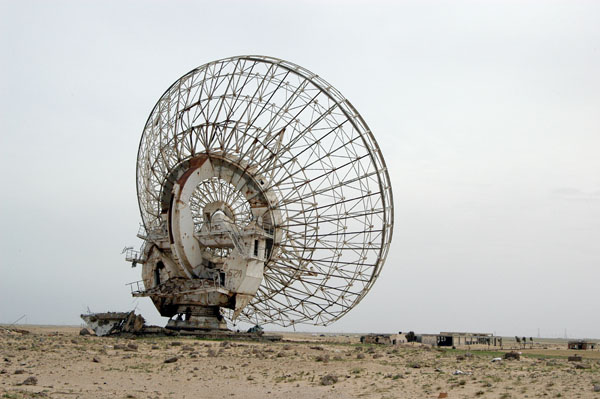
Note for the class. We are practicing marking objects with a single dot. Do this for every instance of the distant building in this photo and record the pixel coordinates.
(384, 339)
(459, 339)
(581, 345)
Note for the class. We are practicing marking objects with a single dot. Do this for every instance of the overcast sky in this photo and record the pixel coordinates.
(487, 113)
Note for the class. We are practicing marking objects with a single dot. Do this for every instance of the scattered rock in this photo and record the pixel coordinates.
(30, 381)
(575, 358)
(86, 331)
(512, 356)
(155, 347)
(360, 356)
(132, 346)
(322, 358)
(211, 353)
(175, 343)
(20, 371)
(596, 388)
(583, 366)
(329, 379)
(95, 359)
(225, 344)
(119, 347)
(443, 395)
(171, 359)
(318, 348)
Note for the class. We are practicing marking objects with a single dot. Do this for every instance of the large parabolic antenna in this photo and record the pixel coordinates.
(264, 198)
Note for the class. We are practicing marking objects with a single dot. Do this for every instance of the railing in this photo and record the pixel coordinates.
(137, 287)
(213, 282)
(156, 234)
(134, 256)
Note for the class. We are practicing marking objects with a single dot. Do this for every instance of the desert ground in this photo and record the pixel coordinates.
(56, 362)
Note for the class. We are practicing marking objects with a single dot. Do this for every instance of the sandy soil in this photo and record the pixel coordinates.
(66, 365)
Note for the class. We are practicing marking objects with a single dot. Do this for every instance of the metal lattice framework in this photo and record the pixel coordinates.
(307, 144)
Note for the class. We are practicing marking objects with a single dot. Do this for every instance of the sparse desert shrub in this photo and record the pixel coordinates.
(329, 379)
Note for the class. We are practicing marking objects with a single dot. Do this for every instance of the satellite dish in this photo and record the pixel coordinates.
(264, 198)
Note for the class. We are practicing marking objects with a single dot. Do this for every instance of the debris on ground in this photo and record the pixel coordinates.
(113, 323)
(86, 331)
(256, 329)
(460, 372)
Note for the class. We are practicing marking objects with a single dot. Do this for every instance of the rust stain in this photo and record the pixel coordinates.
(195, 163)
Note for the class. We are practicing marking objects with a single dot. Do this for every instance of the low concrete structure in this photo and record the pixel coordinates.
(384, 339)
(446, 338)
(581, 345)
